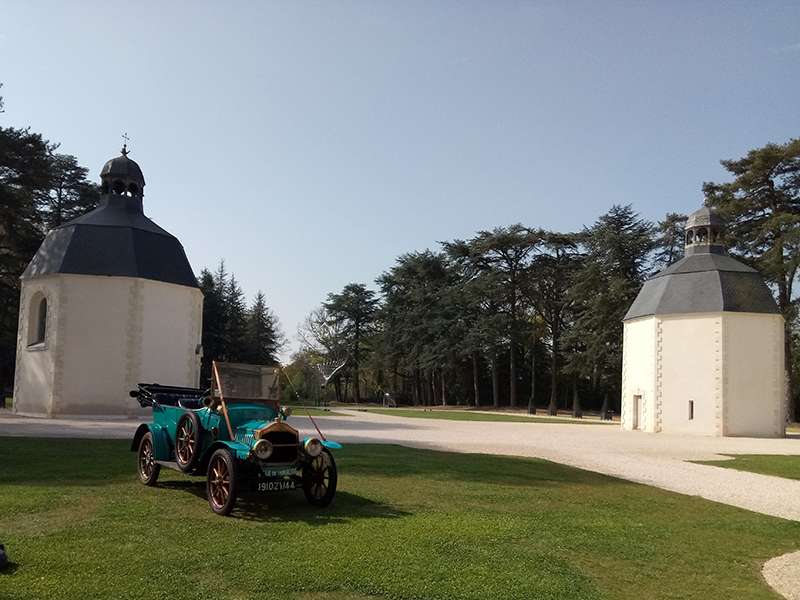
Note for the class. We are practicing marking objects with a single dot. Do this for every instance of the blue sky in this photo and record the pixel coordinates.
(309, 144)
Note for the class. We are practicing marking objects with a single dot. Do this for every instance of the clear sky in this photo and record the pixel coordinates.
(309, 144)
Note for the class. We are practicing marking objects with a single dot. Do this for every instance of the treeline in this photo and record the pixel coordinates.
(39, 189)
(520, 316)
(513, 317)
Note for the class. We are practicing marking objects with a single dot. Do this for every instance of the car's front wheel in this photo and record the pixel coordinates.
(222, 482)
(147, 466)
(187, 441)
(319, 479)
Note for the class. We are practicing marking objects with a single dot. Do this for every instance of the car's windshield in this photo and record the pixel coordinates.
(247, 382)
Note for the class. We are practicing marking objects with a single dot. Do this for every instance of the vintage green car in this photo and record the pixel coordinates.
(235, 434)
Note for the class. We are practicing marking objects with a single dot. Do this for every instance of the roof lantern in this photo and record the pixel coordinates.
(705, 232)
(122, 176)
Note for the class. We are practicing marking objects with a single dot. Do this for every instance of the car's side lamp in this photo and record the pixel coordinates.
(286, 412)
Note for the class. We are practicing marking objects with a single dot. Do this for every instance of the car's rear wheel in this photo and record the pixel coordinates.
(147, 466)
(319, 479)
(222, 482)
(187, 441)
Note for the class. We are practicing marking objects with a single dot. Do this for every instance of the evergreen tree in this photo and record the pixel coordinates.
(264, 338)
(422, 319)
(232, 332)
(501, 261)
(29, 179)
(354, 311)
(762, 205)
(235, 321)
(615, 265)
(669, 240)
(213, 322)
(71, 193)
(553, 271)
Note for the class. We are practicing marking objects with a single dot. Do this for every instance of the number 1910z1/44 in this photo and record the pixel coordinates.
(274, 486)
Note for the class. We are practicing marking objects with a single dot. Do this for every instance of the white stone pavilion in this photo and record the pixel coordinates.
(704, 345)
(108, 301)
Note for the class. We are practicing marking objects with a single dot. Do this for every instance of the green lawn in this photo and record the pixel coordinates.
(465, 415)
(766, 464)
(406, 524)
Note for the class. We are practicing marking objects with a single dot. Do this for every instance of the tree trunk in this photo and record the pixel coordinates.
(577, 413)
(356, 387)
(532, 400)
(415, 387)
(495, 382)
(475, 383)
(444, 387)
(605, 410)
(791, 414)
(552, 408)
(337, 388)
(512, 366)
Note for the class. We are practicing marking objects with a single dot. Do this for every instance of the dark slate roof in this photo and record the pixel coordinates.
(704, 282)
(115, 239)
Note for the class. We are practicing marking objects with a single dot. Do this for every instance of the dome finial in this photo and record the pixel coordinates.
(125, 145)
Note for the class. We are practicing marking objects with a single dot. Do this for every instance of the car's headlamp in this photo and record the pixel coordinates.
(286, 412)
(262, 449)
(312, 447)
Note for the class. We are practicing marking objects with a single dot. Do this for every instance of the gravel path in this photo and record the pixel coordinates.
(657, 460)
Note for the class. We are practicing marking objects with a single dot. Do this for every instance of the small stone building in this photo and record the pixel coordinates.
(704, 345)
(109, 300)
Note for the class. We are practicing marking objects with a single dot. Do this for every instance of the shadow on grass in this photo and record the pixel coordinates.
(292, 506)
(388, 460)
(51, 462)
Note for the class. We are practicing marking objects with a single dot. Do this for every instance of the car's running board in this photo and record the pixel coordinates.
(170, 464)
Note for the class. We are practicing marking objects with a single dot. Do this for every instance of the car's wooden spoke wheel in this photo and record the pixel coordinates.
(222, 482)
(187, 441)
(319, 479)
(148, 467)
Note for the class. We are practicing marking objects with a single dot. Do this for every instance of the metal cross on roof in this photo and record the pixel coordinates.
(125, 145)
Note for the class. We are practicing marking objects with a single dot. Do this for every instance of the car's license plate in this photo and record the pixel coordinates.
(275, 486)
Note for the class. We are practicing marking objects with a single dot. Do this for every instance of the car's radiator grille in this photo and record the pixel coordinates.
(285, 447)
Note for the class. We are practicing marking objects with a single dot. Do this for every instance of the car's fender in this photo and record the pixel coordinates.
(239, 451)
(161, 443)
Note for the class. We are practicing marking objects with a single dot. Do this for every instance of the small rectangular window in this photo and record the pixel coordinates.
(691, 409)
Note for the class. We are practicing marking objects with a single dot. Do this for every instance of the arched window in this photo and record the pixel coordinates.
(37, 323)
